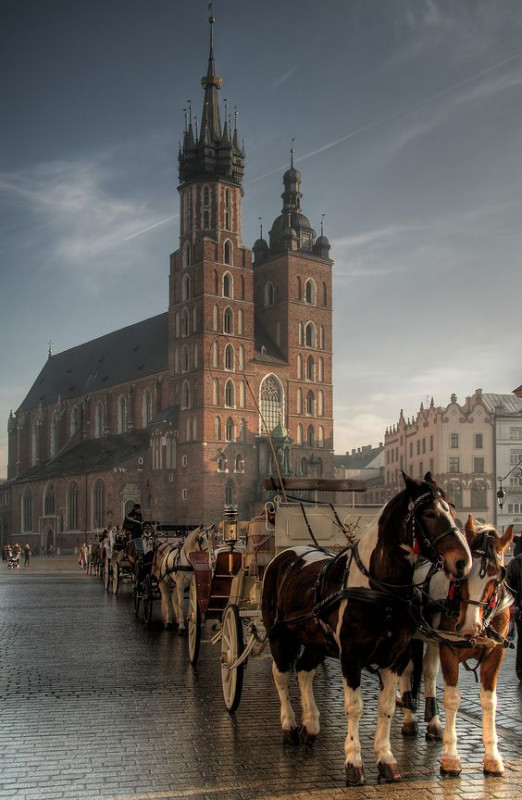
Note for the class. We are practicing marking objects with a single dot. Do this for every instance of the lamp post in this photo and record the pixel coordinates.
(516, 471)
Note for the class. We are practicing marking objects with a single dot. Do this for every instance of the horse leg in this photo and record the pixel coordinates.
(306, 668)
(166, 604)
(386, 761)
(409, 720)
(489, 668)
(353, 708)
(179, 596)
(288, 722)
(450, 763)
(434, 730)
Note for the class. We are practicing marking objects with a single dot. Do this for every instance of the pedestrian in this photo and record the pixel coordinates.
(83, 556)
(27, 554)
(514, 582)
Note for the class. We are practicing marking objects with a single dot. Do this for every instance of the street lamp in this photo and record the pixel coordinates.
(517, 472)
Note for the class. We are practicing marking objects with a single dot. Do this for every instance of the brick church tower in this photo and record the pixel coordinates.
(250, 350)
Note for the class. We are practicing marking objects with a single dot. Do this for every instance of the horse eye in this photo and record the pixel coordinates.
(430, 513)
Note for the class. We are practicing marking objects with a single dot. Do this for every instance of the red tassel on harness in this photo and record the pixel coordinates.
(416, 547)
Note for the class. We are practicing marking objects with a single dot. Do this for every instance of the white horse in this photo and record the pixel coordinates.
(172, 570)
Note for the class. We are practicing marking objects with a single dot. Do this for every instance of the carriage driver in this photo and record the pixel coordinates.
(133, 522)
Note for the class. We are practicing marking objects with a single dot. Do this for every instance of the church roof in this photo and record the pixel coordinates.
(91, 455)
(127, 354)
(265, 350)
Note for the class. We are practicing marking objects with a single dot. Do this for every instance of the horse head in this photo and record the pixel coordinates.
(200, 539)
(430, 520)
(477, 598)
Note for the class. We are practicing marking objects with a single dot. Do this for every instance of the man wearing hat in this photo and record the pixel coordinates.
(514, 582)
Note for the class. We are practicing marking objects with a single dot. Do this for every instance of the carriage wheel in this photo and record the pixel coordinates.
(136, 597)
(147, 599)
(232, 645)
(115, 578)
(107, 577)
(194, 623)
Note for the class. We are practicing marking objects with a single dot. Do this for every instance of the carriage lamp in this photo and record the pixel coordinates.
(516, 471)
(230, 526)
(500, 497)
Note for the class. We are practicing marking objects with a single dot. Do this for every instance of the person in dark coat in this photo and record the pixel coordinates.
(133, 521)
(514, 582)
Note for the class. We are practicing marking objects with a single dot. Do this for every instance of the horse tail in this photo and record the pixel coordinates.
(417, 653)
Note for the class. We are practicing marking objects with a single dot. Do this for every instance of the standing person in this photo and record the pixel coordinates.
(27, 554)
(83, 556)
(133, 521)
(514, 582)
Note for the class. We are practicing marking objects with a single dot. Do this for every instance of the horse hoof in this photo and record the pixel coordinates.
(305, 737)
(410, 729)
(291, 736)
(388, 773)
(493, 768)
(451, 768)
(354, 775)
(434, 733)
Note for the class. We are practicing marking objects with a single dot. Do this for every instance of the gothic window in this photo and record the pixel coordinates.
(228, 320)
(310, 368)
(196, 356)
(54, 434)
(320, 436)
(299, 436)
(49, 501)
(300, 333)
(217, 428)
(299, 289)
(239, 465)
(271, 405)
(227, 252)
(185, 322)
(185, 395)
(185, 359)
(269, 294)
(242, 394)
(309, 336)
(229, 357)
(478, 497)
(74, 421)
(98, 420)
(27, 510)
(228, 211)
(310, 436)
(242, 288)
(310, 403)
(215, 391)
(99, 504)
(206, 207)
(304, 467)
(227, 285)
(229, 394)
(242, 430)
(320, 370)
(241, 358)
(299, 409)
(454, 494)
(222, 464)
(230, 430)
(321, 337)
(176, 360)
(35, 442)
(185, 287)
(188, 429)
(215, 354)
(194, 428)
(240, 322)
(72, 507)
(320, 403)
(206, 219)
(299, 366)
(177, 325)
(194, 319)
(310, 292)
(216, 282)
(215, 318)
(122, 414)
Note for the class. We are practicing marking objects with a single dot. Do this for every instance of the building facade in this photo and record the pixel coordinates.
(187, 411)
(462, 446)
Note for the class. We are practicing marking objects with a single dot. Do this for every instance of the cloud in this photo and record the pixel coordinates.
(284, 77)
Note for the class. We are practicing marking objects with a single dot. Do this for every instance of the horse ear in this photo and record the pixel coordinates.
(505, 540)
(430, 479)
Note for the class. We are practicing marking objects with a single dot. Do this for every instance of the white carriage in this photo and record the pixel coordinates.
(227, 585)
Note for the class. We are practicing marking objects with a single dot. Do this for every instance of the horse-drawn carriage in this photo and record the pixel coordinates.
(228, 580)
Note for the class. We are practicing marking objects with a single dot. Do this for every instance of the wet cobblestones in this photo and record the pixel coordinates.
(97, 706)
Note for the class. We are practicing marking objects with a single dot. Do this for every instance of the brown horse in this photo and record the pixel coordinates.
(471, 618)
(359, 606)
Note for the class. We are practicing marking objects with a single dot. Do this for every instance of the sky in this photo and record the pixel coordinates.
(405, 119)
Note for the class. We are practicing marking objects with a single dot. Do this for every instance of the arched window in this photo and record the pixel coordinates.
(185, 287)
(478, 497)
(309, 338)
(299, 408)
(98, 420)
(216, 282)
(27, 510)
(321, 337)
(310, 436)
(240, 322)
(185, 395)
(320, 436)
(299, 436)
(194, 428)
(228, 210)
(215, 353)
(185, 359)
(99, 504)
(194, 319)
(269, 294)
(177, 325)
(228, 320)
(310, 368)
(271, 404)
(230, 430)
(122, 414)
(304, 467)
(185, 322)
(242, 394)
(320, 403)
(188, 429)
(241, 288)
(229, 394)
(196, 356)
(147, 407)
(217, 428)
(241, 357)
(222, 463)
(74, 421)
(310, 403)
(242, 430)
(299, 366)
(300, 333)
(320, 370)
(239, 464)
(229, 357)
(227, 252)
(299, 288)
(54, 434)
(206, 207)
(454, 494)
(310, 292)
(72, 507)
(186, 255)
(35, 442)
(176, 360)
(49, 501)
(227, 285)
(215, 318)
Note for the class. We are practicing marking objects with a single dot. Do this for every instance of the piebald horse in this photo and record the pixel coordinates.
(358, 606)
(471, 618)
(172, 570)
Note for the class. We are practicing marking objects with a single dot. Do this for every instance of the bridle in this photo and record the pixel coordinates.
(422, 543)
(484, 548)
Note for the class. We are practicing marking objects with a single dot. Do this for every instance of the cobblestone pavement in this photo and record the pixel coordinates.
(96, 705)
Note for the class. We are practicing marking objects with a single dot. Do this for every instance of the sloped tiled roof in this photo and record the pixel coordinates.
(357, 460)
(511, 404)
(265, 349)
(124, 355)
(91, 455)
